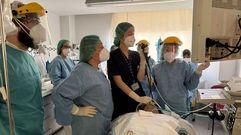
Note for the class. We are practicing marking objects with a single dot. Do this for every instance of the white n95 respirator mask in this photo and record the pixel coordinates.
(169, 56)
(187, 59)
(129, 41)
(38, 33)
(104, 55)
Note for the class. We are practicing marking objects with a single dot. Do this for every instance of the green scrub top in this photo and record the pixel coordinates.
(25, 92)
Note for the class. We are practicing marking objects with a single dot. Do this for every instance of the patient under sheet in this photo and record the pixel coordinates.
(148, 123)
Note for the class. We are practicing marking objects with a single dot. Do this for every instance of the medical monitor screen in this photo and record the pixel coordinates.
(216, 30)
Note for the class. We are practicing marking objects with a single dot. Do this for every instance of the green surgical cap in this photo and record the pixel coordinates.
(120, 31)
(60, 45)
(87, 47)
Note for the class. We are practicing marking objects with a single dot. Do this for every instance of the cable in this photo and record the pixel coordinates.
(154, 103)
(149, 76)
(226, 46)
(172, 108)
(194, 111)
(160, 108)
(239, 23)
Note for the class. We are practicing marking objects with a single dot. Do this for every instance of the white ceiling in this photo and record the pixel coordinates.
(77, 7)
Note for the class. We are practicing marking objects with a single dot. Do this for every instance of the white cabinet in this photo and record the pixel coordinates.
(50, 125)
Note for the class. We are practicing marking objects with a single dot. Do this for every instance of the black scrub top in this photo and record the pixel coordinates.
(118, 65)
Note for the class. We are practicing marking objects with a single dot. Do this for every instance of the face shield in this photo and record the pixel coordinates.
(32, 22)
(6, 13)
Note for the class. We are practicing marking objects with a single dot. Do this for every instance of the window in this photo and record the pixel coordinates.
(154, 24)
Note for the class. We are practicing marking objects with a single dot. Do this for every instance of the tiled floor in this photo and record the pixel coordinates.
(200, 125)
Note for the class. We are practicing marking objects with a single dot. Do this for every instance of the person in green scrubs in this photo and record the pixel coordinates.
(23, 73)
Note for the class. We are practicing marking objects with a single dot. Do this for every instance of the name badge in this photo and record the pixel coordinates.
(135, 86)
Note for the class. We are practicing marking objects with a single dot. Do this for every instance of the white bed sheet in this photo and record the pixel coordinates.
(147, 123)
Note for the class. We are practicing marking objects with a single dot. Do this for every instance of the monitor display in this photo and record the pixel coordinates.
(216, 30)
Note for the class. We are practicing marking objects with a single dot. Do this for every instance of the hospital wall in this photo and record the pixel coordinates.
(54, 26)
(220, 71)
(238, 67)
(229, 69)
(68, 28)
(99, 24)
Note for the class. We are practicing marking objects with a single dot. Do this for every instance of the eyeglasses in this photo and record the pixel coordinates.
(66, 46)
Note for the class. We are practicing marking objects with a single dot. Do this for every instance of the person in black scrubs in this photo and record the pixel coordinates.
(126, 69)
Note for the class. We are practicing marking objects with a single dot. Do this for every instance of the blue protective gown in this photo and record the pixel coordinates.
(25, 92)
(173, 82)
(60, 69)
(145, 83)
(191, 93)
(86, 86)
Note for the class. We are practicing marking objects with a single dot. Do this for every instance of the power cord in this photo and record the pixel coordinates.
(211, 42)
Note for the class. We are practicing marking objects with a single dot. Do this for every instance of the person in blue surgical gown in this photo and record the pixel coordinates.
(174, 77)
(186, 55)
(61, 65)
(84, 99)
(146, 83)
(23, 73)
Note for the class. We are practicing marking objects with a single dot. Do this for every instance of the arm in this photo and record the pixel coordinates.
(202, 67)
(196, 74)
(141, 70)
(114, 72)
(63, 96)
(126, 89)
(119, 82)
(191, 77)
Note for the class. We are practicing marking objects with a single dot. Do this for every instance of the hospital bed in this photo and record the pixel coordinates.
(148, 123)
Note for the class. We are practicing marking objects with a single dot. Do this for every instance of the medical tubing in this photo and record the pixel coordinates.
(137, 107)
(5, 69)
(194, 111)
(148, 76)
(182, 116)
(238, 47)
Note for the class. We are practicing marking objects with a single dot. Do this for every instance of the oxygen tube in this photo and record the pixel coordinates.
(5, 68)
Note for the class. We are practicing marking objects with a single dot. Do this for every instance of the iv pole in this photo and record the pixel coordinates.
(5, 69)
